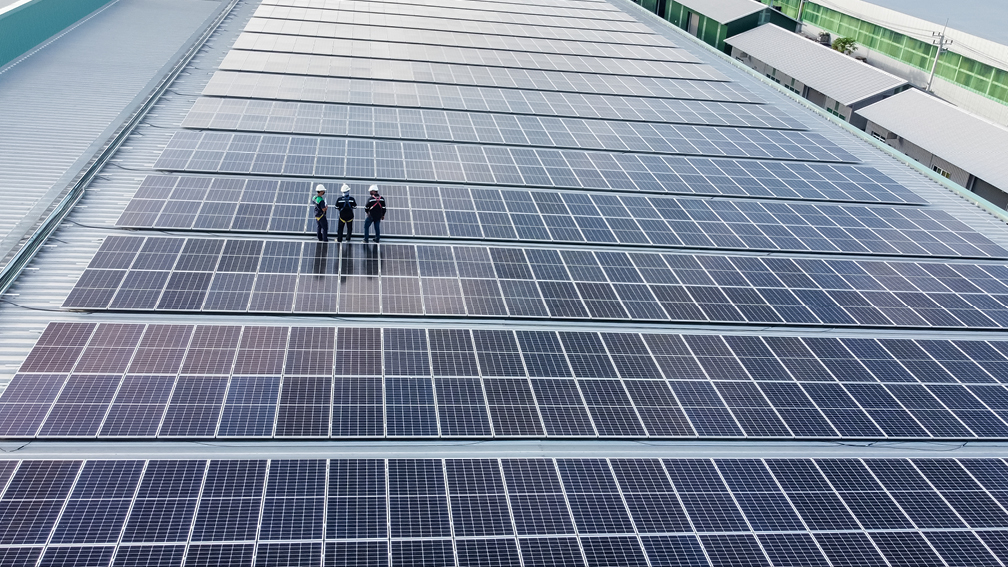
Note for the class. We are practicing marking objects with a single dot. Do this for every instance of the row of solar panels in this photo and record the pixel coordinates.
(116, 348)
(562, 10)
(408, 96)
(567, 512)
(175, 274)
(250, 205)
(399, 49)
(457, 74)
(622, 28)
(563, 169)
(458, 38)
(538, 128)
(595, 30)
(389, 92)
(640, 137)
(592, 15)
(90, 406)
(128, 380)
(509, 129)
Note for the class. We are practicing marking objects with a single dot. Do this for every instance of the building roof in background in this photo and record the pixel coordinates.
(830, 72)
(724, 11)
(964, 139)
(984, 19)
(986, 42)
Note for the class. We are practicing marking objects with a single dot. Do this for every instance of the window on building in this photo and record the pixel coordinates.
(791, 86)
(772, 75)
(877, 136)
(835, 111)
(941, 172)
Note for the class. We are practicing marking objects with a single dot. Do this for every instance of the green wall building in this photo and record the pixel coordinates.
(713, 21)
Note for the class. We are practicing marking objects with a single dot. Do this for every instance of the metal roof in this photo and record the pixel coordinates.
(724, 11)
(830, 72)
(961, 138)
(73, 93)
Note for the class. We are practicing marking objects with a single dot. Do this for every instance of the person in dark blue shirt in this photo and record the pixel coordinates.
(345, 205)
(322, 223)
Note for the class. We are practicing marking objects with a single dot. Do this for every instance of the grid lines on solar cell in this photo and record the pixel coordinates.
(534, 511)
(331, 118)
(444, 92)
(319, 382)
(568, 217)
(640, 167)
(467, 281)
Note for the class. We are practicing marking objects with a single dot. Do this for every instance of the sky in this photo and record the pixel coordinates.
(983, 18)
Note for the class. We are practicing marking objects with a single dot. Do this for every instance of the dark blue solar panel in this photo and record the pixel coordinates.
(139, 556)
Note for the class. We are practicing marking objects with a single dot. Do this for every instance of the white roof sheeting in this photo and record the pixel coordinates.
(961, 138)
(62, 102)
(724, 11)
(830, 72)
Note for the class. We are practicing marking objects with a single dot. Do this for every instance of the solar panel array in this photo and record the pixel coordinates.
(586, 147)
(627, 512)
(509, 106)
(222, 204)
(137, 381)
(427, 124)
(502, 98)
(365, 158)
(215, 275)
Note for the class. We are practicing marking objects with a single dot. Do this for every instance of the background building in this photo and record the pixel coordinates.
(952, 142)
(824, 76)
(715, 20)
(972, 73)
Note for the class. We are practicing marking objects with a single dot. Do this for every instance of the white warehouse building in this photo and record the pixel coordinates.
(952, 142)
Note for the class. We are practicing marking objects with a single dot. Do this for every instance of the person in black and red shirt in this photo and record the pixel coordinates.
(375, 209)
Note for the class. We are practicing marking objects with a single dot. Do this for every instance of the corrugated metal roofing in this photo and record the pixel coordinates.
(830, 72)
(724, 11)
(961, 138)
(71, 95)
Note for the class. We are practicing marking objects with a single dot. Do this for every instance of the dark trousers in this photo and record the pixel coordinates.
(339, 229)
(368, 221)
(323, 229)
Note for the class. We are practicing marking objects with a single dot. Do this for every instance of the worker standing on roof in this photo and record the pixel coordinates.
(375, 209)
(321, 221)
(345, 205)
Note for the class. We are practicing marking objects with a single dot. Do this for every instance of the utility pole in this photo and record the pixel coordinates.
(941, 42)
(801, 7)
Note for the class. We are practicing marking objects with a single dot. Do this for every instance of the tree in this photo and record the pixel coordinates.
(845, 45)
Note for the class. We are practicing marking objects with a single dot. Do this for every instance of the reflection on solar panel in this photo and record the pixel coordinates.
(498, 90)
(174, 274)
(209, 204)
(319, 118)
(545, 165)
(492, 128)
(507, 512)
(115, 380)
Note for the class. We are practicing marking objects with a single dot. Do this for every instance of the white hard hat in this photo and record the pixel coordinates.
(373, 188)
(320, 188)
(345, 188)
